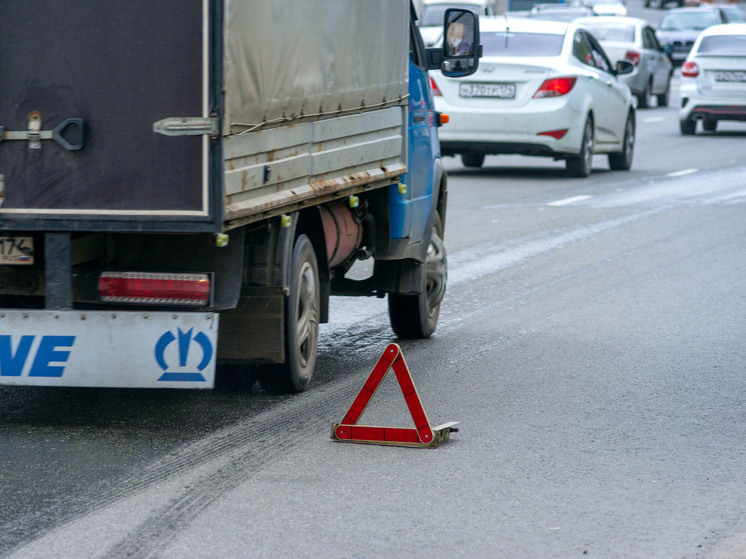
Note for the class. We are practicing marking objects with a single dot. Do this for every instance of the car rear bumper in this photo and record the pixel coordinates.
(516, 131)
(716, 112)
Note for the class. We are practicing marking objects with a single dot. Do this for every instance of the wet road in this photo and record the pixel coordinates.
(591, 345)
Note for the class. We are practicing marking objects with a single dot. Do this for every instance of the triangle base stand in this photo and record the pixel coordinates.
(422, 435)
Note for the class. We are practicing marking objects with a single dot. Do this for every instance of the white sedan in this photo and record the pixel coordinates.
(542, 88)
(713, 78)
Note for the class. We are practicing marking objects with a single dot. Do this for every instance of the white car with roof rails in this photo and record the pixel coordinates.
(543, 88)
(713, 79)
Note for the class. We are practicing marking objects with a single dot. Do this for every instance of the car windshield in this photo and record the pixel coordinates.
(732, 14)
(696, 21)
(612, 32)
(434, 14)
(723, 45)
(521, 44)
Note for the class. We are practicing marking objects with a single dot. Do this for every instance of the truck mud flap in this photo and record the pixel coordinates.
(108, 349)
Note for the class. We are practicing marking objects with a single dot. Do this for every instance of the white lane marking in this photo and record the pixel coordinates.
(654, 119)
(682, 173)
(566, 201)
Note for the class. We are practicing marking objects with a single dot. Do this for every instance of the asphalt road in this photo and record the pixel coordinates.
(590, 345)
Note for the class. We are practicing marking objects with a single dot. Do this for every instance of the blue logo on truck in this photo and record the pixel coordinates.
(185, 341)
(49, 359)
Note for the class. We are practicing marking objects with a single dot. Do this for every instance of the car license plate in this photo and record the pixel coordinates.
(493, 90)
(16, 250)
(730, 77)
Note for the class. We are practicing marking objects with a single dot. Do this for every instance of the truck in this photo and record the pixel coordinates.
(185, 183)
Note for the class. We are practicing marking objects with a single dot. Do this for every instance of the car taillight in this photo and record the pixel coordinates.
(556, 134)
(690, 70)
(155, 288)
(555, 87)
(436, 91)
(633, 56)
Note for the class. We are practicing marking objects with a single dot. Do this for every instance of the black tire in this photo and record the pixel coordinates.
(301, 317)
(665, 97)
(472, 159)
(643, 99)
(622, 161)
(688, 127)
(710, 125)
(581, 165)
(416, 316)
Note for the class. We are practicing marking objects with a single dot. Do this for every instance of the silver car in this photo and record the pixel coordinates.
(632, 39)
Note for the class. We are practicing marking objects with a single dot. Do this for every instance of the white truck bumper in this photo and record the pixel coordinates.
(108, 349)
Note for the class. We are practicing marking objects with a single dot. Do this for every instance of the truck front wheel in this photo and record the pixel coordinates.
(302, 316)
(416, 316)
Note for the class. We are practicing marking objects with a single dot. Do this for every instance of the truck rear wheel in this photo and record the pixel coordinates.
(301, 316)
(416, 316)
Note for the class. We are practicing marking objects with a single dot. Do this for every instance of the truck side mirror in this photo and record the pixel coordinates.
(459, 54)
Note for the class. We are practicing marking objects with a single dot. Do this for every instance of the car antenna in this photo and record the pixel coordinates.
(507, 29)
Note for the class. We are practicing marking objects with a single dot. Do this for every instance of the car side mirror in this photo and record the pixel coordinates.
(460, 51)
(624, 67)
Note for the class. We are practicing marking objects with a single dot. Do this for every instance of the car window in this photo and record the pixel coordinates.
(582, 50)
(723, 45)
(732, 14)
(520, 44)
(612, 31)
(694, 21)
(653, 40)
(602, 63)
(588, 51)
(647, 39)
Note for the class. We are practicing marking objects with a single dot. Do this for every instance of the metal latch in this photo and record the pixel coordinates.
(34, 135)
(187, 126)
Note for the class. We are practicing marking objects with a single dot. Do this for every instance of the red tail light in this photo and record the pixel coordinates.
(556, 87)
(154, 288)
(690, 70)
(556, 134)
(436, 91)
(633, 56)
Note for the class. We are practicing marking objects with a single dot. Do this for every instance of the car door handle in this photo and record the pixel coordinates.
(419, 118)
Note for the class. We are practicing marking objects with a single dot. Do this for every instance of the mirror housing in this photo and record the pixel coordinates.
(459, 54)
(624, 67)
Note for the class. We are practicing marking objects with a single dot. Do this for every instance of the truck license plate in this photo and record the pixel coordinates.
(16, 250)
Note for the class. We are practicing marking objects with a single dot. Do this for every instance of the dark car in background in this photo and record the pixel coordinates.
(680, 27)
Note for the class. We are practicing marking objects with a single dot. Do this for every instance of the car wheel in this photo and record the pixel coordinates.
(622, 161)
(472, 159)
(710, 125)
(416, 316)
(665, 97)
(688, 127)
(580, 165)
(301, 317)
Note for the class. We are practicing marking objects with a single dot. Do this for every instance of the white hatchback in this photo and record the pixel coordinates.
(543, 89)
(713, 78)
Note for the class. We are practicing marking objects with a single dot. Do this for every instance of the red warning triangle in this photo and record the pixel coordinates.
(421, 435)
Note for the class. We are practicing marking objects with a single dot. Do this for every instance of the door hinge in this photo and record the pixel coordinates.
(188, 126)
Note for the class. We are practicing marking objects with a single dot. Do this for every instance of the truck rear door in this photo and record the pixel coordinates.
(82, 85)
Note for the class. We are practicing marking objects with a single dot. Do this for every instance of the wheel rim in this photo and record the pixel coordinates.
(436, 273)
(308, 315)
